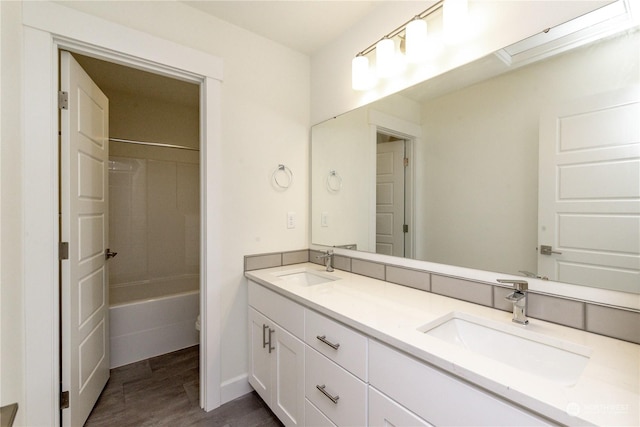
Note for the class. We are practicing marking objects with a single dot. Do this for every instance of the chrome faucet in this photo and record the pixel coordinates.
(328, 259)
(519, 299)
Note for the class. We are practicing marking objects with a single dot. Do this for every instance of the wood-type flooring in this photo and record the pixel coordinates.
(164, 391)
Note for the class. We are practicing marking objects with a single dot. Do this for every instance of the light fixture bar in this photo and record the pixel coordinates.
(402, 27)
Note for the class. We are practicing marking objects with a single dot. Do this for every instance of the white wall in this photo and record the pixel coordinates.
(265, 122)
(485, 160)
(500, 23)
(154, 209)
(265, 106)
(11, 289)
(347, 144)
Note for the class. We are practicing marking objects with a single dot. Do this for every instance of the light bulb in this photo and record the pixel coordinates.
(416, 40)
(385, 57)
(360, 75)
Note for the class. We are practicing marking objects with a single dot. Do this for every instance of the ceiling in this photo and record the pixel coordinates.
(302, 25)
(111, 77)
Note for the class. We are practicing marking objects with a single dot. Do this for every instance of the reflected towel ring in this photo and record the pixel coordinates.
(334, 181)
(284, 181)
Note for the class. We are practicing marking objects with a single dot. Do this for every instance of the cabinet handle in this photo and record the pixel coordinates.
(264, 337)
(271, 347)
(326, 393)
(323, 338)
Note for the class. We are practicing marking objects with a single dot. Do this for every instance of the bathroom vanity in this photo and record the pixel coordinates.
(347, 350)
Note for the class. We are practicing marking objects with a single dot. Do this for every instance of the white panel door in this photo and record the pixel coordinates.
(390, 197)
(84, 224)
(589, 191)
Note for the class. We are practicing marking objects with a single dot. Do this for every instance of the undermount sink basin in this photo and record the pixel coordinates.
(306, 277)
(547, 357)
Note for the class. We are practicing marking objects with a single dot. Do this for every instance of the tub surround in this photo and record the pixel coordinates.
(611, 321)
(606, 393)
(148, 319)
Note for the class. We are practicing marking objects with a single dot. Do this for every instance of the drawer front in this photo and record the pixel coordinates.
(339, 343)
(349, 393)
(314, 418)
(281, 310)
(439, 398)
(384, 412)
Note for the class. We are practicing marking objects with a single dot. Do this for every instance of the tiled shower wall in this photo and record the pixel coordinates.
(154, 219)
(614, 322)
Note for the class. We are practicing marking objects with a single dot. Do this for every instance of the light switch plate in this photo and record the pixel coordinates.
(324, 219)
(291, 220)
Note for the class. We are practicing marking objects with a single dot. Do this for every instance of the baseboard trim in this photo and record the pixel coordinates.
(234, 388)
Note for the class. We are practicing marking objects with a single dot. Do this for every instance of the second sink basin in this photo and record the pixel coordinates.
(306, 277)
(547, 357)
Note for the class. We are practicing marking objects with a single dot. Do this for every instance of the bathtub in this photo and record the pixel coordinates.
(147, 319)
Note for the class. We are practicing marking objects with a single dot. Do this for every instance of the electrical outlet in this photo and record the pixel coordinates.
(324, 219)
(291, 220)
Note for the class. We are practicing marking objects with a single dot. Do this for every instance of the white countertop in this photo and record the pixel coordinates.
(607, 392)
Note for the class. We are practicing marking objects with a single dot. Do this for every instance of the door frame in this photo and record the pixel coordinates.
(412, 134)
(48, 27)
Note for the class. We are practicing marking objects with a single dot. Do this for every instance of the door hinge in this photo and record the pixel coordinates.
(64, 400)
(406, 162)
(64, 250)
(405, 228)
(63, 100)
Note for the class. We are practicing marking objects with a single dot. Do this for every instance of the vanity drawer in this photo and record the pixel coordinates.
(339, 343)
(437, 397)
(281, 310)
(384, 412)
(349, 393)
(314, 418)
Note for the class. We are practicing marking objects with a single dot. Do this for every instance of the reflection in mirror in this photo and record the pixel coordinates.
(479, 142)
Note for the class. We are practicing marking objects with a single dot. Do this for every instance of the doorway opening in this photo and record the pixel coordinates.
(153, 200)
(393, 194)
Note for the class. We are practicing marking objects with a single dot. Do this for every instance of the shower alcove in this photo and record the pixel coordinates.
(154, 210)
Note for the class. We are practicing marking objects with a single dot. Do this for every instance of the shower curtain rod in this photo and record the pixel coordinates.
(154, 144)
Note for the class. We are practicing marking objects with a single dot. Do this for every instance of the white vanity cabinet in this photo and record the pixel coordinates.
(313, 370)
(384, 412)
(437, 397)
(276, 355)
(336, 370)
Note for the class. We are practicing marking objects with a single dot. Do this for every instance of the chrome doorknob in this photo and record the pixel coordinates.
(109, 254)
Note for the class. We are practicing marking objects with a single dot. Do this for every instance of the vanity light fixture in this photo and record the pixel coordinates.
(385, 57)
(417, 44)
(416, 40)
(361, 78)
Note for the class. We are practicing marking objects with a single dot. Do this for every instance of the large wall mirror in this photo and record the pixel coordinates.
(524, 162)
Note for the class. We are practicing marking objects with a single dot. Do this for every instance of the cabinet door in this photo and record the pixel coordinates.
(259, 357)
(287, 397)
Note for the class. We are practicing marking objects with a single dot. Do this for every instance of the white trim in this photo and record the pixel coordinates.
(47, 27)
(412, 133)
(120, 41)
(235, 387)
(211, 251)
(397, 126)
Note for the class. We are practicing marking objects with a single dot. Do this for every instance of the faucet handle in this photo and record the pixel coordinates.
(518, 285)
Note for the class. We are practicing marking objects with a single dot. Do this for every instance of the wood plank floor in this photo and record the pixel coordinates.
(164, 390)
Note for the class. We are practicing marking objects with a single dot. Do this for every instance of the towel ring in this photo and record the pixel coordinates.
(334, 181)
(285, 176)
